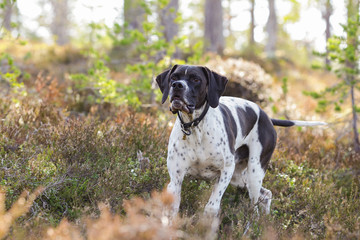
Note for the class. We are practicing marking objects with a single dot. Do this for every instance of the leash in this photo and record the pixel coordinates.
(185, 127)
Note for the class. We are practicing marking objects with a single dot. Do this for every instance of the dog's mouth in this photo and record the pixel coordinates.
(178, 104)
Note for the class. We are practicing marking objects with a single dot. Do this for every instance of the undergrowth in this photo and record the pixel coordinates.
(110, 154)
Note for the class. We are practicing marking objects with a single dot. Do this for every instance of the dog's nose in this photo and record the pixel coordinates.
(177, 85)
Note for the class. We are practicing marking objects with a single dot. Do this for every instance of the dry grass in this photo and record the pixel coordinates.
(18, 209)
(144, 220)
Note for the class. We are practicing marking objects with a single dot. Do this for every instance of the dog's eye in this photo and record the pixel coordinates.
(196, 80)
(173, 77)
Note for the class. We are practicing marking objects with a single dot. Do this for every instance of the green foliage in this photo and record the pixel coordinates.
(284, 86)
(148, 52)
(11, 75)
(344, 54)
(3, 3)
(294, 14)
(305, 197)
(154, 52)
(104, 88)
(3, 31)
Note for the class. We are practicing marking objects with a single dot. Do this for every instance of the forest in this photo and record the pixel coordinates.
(84, 135)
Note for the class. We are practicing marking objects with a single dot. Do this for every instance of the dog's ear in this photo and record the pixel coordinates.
(216, 87)
(163, 80)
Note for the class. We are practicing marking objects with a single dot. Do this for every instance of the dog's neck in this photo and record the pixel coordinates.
(190, 117)
(193, 120)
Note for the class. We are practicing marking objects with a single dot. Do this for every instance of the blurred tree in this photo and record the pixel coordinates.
(60, 22)
(167, 19)
(294, 13)
(345, 52)
(145, 51)
(214, 36)
(326, 12)
(272, 31)
(229, 15)
(326, 9)
(134, 14)
(252, 24)
(352, 61)
(7, 14)
(292, 51)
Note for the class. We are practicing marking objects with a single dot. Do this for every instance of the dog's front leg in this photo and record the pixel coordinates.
(176, 178)
(213, 206)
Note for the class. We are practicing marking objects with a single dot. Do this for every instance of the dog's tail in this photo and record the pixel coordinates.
(289, 123)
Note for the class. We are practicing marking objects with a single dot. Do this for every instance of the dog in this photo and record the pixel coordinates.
(228, 138)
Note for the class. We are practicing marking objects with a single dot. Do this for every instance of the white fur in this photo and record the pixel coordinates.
(307, 123)
(206, 153)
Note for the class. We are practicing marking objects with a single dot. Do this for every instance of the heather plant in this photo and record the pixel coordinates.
(114, 154)
(19, 208)
(79, 162)
(10, 73)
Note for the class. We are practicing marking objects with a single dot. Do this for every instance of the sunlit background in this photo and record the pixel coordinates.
(309, 28)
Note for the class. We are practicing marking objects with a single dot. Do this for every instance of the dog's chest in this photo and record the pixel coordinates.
(200, 153)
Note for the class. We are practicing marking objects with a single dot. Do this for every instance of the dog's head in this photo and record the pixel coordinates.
(190, 87)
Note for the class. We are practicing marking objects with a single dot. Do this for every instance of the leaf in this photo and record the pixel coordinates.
(163, 3)
(314, 95)
(316, 65)
(274, 109)
(337, 107)
(294, 14)
(148, 26)
(284, 85)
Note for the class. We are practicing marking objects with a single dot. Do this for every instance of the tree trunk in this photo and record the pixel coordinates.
(60, 24)
(326, 14)
(252, 24)
(7, 15)
(167, 17)
(170, 28)
(354, 122)
(214, 37)
(134, 14)
(228, 17)
(353, 15)
(272, 31)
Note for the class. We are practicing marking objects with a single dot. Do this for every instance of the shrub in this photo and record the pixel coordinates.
(19, 208)
(80, 161)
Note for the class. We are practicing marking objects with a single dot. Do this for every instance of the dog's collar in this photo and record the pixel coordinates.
(185, 127)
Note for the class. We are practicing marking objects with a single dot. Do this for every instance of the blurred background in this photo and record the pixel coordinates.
(303, 21)
(130, 42)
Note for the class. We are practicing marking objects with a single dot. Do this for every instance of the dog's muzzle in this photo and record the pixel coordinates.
(177, 100)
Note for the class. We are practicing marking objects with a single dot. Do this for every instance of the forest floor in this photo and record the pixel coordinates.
(101, 168)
